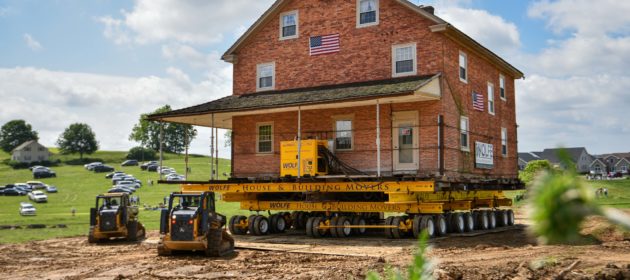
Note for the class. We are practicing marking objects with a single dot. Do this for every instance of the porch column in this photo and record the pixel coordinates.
(378, 138)
(161, 147)
(299, 139)
(212, 149)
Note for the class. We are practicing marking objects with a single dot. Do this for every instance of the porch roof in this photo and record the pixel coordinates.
(330, 96)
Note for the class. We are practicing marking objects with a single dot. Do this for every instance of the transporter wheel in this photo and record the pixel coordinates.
(492, 219)
(415, 226)
(261, 225)
(510, 217)
(469, 222)
(397, 233)
(317, 232)
(341, 230)
(231, 224)
(278, 223)
(482, 220)
(250, 224)
(502, 218)
(458, 225)
(300, 220)
(333, 231)
(427, 223)
(234, 225)
(309, 227)
(388, 231)
(358, 221)
(440, 225)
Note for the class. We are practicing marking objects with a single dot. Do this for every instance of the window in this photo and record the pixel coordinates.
(598, 169)
(343, 134)
(367, 13)
(491, 98)
(624, 168)
(289, 25)
(266, 77)
(28, 149)
(41, 149)
(504, 141)
(502, 87)
(463, 67)
(265, 138)
(404, 60)
(464, 139)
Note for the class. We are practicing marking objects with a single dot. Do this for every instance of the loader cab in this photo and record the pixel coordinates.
(187, 215)
(111, 212)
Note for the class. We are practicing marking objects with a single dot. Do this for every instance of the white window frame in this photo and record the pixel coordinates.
(464, 130)
(258, 125)
(336, 119)
(359, 25)
(491, 99)
(297, 25)
(462, 54)
(414, 54)
(273, 76)
(502, 88)
(504, 141)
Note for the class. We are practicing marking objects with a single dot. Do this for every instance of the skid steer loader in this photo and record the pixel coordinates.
(114, 217)
(191, 224)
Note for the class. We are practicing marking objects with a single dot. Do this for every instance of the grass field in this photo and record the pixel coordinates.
(78, 188)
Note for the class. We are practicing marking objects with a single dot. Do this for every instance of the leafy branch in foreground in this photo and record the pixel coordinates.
(420, 268)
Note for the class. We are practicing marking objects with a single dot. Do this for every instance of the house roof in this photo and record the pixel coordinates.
(440, 26)
(527, 157)
(24, 145)
(305, 96)
(627, 160)
(552, 154)
(600, 161)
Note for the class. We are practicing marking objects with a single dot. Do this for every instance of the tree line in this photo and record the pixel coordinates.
(79, 138)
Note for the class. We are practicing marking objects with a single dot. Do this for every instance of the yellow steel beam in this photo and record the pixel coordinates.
(375, 186)
(359, 207)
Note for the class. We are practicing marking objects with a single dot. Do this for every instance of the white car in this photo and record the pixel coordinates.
(130, 184)
(27, 209)
(175, 177)
(36, 185)
(38, 196)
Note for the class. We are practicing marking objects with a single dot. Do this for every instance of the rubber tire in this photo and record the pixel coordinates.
(317, 233)
(396, 232)
(259, 225)
(502, 218)
(344, 232)
(358, 221)
(132, 231)
(333, 231)
(427, 223)
(469, 222)
(440, 225)
(482, 220)
(492, 219)
(388, 231)
(231, 224)
(280, 224)
(250, 224)
(272, 222)
(510, 215)
(458, 225)
(416, 229)
(91, 238)
(309, 227)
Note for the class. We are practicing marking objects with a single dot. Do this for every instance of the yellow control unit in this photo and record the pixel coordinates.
(312, 164)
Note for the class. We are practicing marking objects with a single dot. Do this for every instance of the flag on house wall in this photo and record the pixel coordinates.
(325, 44)
(478, 103)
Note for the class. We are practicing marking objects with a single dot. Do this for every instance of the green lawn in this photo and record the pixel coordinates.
(78, 188)
(618, 192)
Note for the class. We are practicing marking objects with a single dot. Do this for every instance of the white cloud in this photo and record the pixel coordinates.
(189, 21)
(31, 42)
(111, 105)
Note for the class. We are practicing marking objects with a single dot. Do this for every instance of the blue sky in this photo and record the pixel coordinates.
(105, 62)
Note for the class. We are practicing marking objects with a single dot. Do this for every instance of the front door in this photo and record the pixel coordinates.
(405, 141)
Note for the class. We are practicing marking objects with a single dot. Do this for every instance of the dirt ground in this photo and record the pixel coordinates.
(505, 254)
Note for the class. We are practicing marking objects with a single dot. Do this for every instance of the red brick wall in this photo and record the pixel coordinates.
(366, 55)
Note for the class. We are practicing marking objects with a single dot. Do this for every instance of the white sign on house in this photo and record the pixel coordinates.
(484, 155)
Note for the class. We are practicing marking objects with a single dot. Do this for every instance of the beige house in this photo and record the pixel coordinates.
(30, 151)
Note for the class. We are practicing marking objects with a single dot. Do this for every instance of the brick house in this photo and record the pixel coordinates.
(323, 69)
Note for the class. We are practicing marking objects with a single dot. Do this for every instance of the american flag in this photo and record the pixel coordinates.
(478, 102)
(325, 44)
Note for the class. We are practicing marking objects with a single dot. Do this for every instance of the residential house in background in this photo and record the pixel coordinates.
(578, 155)
(610, 163)
(525, 158)
(30, 151)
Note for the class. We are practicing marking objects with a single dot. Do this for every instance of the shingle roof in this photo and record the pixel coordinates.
(23, 145)
(552, 154)
(527, 157)
(305, 96)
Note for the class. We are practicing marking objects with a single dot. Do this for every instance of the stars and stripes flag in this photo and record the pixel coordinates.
(478, 103)
(325, 44)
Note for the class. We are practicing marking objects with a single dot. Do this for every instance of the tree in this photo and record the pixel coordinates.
(140, 153)
(78, 138)
(533, 168)
(14, 133)
(147, 133)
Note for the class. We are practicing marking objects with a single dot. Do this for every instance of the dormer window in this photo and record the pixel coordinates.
(367, 13)
(265, 74)
(289, 25)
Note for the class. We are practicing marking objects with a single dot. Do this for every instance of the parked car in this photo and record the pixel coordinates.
(175, 177)
(120, 190)
(35, 167)
(102, 168)
(91, 165)
(38, 196)
(44, 173)
(146, 164)
(36, 185)
(122, 178)
(131, 184)
(23, 186)
(111, 175)
(27, 209)
(13, 192)
(51, 189)
(131, 162)
(153, 168)
(24, 189)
